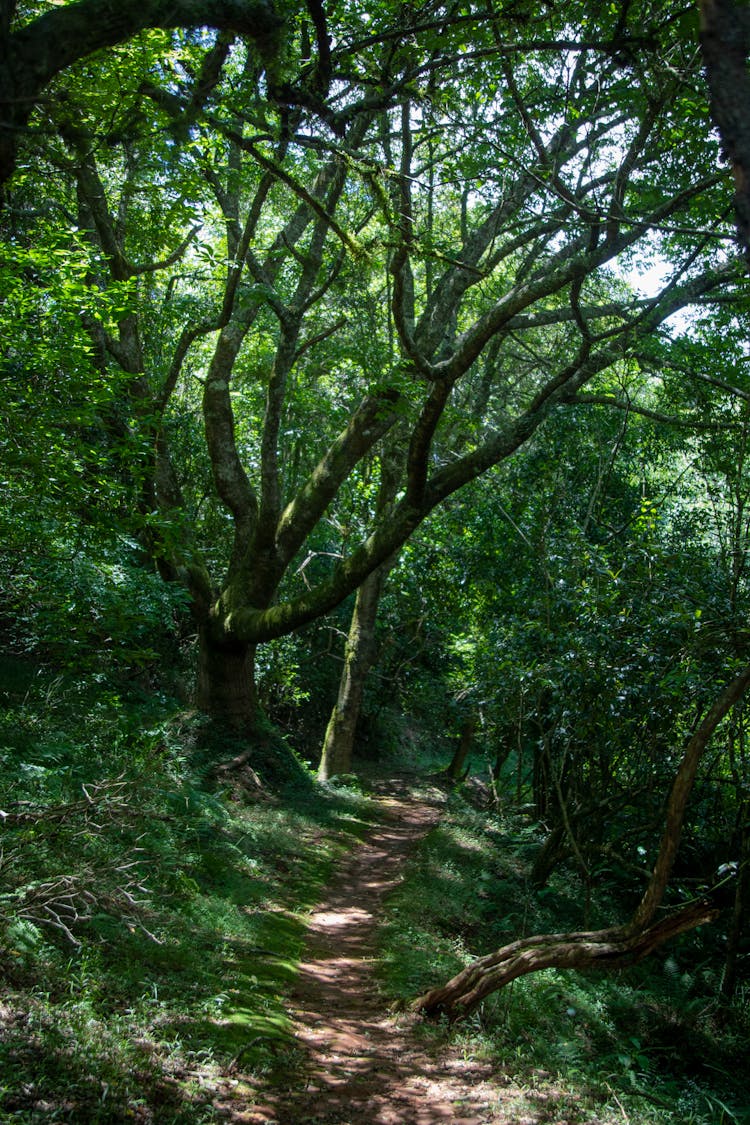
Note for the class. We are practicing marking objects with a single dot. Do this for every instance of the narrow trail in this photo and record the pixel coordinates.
(363, 1065)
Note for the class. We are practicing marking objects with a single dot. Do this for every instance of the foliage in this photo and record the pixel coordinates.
(452, 293)
(149, 921)
(480, 221)
(584, 603)
(647, 1040)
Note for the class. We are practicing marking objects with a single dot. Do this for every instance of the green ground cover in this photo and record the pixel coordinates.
(153, 911)
(648, 1045)
(151, 914)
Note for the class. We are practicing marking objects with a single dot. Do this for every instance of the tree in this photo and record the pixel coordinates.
(360, 650)
(290, 279)
(611, 948)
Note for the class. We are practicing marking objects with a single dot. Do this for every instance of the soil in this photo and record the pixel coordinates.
(362, 1064)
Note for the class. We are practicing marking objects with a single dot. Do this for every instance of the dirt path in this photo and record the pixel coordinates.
(363, 1066)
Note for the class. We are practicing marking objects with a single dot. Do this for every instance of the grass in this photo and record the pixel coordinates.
(150, 921)
(645, 1046)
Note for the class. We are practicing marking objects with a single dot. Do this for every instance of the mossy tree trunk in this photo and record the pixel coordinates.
(611, 948)
(360, 650)
(225, 687)
(455, 770)
(359, 654)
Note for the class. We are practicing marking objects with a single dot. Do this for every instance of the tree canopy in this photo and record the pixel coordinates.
(419, 262)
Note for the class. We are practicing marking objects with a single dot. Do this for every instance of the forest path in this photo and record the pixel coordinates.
(362, 1065)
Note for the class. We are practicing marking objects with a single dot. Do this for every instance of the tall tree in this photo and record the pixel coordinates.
(258, 267)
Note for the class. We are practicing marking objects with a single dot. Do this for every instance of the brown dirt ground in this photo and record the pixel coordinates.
(361, 1064)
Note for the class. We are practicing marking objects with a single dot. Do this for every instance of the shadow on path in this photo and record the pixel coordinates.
(362, 1066)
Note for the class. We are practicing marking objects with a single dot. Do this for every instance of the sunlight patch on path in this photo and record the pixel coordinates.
(357, 1064)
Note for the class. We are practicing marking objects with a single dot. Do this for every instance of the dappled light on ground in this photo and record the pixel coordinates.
(356, 1063)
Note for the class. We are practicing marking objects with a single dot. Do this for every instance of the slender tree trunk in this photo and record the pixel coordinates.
(465, 743)
(549, 855)
(740, 910)
(359, 654)
(678, 799)
(541, 783)
(338, 745)
(226, 681)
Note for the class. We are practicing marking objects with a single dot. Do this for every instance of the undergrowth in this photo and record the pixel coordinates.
(646, 1046)
(150, 915)
(152, 912)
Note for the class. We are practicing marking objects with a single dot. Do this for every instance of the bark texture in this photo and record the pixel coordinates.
(226, 681)
(338, 744)
(725, 45)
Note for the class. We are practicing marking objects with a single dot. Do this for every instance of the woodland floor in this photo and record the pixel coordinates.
(356, 1063)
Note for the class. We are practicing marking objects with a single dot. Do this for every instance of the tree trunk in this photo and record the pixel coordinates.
(678, 798)
(725, 45)
(338, 745)
(740, 910)
(541, 784)
(226, 681)
(611, 948)
(552, 852)
(465, 743)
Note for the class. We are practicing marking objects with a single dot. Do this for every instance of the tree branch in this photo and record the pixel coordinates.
(35, 53)
(694, 423)
(375, 416)
(607, 949)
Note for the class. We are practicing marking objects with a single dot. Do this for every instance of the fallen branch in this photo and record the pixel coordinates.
(67, 902)
(108, 797)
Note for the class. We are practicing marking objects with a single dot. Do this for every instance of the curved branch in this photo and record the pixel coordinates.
(34, 54)
(606, 949)
(370, 422)
(612, 948)
(421, 441)
(62, 36)
(232, 484)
